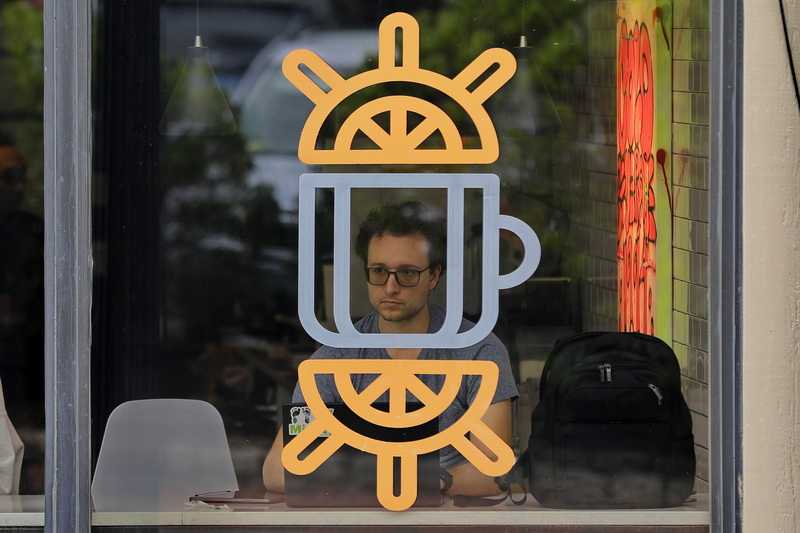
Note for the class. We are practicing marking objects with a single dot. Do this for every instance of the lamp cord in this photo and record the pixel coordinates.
(197, 17)
(789, 52)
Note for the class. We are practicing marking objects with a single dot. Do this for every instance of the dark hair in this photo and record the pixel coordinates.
(401, 220)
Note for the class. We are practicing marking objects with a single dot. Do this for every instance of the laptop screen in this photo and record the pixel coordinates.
(348, 478)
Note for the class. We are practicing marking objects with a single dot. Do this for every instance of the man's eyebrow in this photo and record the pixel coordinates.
(400, 267)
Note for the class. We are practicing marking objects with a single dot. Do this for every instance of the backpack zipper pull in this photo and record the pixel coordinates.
(605, 372)
(608, 372)
(657, 392)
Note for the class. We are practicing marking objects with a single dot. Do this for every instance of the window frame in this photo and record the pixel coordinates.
(68, 263)
(725, 264)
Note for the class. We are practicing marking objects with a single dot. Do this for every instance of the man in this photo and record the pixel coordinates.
(404, 249)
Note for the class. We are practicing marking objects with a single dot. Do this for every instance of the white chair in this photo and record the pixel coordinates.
(157, 453)
(11, 452)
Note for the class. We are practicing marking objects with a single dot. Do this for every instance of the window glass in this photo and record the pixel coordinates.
(198, 285)
(21, 249)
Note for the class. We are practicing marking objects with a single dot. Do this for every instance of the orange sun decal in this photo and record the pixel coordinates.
(400, 143)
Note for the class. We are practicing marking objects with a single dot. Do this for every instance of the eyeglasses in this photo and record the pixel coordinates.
(406, 277)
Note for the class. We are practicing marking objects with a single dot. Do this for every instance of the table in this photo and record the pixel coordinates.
(691, 517)
(22, 511)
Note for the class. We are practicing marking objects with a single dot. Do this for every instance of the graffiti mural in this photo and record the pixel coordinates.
(644, 203)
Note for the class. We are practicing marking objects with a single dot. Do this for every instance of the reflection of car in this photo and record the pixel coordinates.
(272, 111)
(235, 30)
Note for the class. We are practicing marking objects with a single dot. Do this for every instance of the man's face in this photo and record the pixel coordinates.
(393, 302)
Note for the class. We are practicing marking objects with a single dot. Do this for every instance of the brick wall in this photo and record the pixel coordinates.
(690, 177)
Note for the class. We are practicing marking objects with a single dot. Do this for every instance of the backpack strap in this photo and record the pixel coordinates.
(515, 476)
(459, 500)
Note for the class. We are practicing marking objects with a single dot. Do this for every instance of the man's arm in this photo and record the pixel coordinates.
(467, 479)
(272, 471)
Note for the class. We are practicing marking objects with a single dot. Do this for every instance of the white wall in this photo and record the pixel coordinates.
(771, 324)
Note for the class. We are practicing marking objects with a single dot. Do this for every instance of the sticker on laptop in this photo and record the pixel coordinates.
(300, 417)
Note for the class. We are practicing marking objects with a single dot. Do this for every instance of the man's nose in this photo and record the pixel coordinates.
(391, 285)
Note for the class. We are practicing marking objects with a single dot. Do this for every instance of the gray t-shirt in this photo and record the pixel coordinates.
(489, 349)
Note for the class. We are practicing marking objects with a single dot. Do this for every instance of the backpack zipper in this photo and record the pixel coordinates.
(657, 392)
(605, 373)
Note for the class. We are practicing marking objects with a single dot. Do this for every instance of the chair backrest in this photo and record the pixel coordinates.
(12, 451)
(157, 453)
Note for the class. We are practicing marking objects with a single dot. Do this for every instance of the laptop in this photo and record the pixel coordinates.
(348, 477)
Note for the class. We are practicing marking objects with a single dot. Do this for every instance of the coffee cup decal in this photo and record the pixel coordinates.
(448, 336)
(403, 142)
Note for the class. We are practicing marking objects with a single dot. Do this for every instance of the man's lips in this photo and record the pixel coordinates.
(391, 303)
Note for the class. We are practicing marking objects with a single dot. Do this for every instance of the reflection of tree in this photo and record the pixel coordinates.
(229, 258)
(22, 24)
(555, 32)
(464, 29)
(228, 249)
(22, 91)
(451, 38)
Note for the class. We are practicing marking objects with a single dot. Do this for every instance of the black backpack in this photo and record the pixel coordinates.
(611, 430)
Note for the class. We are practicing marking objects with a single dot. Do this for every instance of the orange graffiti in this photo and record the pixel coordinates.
(636, 229)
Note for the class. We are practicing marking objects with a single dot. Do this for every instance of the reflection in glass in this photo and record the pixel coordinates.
(21, 247)
(197, 105)
(226, 207)
(528, 108)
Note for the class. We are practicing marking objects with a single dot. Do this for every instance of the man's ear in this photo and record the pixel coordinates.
(436, 274)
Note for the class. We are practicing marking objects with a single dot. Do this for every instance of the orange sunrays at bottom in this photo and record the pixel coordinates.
(397, 377)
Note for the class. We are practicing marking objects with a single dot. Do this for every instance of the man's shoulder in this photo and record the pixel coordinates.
(438, 315)
(329, 352)
(490, 347)
(367, 324)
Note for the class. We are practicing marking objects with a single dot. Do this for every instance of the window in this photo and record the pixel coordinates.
(195, 238)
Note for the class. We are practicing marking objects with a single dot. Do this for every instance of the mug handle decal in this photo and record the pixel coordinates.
(533, 252)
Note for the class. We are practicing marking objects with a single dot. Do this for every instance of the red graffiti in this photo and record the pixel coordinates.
(636, 223)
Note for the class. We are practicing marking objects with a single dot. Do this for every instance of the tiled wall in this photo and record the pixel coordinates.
(690, 175)
(583, 177)
(594, 204)
(576, 172)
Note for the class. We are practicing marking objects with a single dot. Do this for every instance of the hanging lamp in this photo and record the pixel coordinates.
(528, 108)
(197, 105)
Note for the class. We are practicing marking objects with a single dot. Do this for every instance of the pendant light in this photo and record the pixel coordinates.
(527, 108)
(197, 105)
